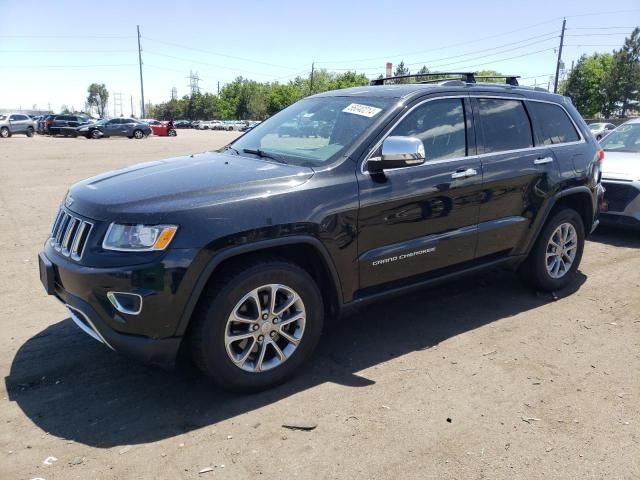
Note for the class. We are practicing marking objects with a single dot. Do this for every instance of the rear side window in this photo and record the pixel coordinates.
(552, 123)
(441, 127)
(505, 125)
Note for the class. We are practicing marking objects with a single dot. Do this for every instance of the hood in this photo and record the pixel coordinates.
(150, 191)
(621, 165)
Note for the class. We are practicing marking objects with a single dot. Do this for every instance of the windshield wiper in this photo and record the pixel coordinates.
(261, 153)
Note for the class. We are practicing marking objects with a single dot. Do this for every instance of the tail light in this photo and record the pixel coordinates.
(600, 154)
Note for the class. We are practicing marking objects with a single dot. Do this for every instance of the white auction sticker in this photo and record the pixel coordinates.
(364, 110)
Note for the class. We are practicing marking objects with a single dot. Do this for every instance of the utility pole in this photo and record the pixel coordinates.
(555, 83)
(311, 81)
(141, 82)
(132, 106)
(218, 87)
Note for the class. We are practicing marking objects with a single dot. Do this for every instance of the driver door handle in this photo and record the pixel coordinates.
(542, 161)
(469, 172)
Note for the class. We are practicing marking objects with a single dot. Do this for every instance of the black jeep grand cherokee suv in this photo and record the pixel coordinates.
(240, 254)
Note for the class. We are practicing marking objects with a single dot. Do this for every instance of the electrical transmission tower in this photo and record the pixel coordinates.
(193, 82)
(174, 93)
(117, 104)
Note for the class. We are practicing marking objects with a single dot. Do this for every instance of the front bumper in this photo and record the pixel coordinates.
(622, 199)
(148, 336)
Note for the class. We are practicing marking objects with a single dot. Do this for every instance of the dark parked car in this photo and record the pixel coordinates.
(115, 127)
(240, 255)
(65, 125)
(12, 123)
(182, 124)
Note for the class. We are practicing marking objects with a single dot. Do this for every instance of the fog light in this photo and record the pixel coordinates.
(127, 303)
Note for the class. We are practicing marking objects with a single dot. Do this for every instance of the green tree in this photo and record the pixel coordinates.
(98, 97)
(585, 84)
(400, 71)
(622, 84)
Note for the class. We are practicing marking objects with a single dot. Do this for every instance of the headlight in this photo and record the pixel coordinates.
(138, 238)
(83, 129)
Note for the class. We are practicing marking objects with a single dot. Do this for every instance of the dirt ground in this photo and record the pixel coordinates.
(482, 378)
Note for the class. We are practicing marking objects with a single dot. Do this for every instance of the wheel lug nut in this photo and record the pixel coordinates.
(265, 316)
(273, 334)
(255, 327)
(276, 320)
(260, 338)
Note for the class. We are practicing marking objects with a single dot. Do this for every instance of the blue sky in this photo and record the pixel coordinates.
(51, 51)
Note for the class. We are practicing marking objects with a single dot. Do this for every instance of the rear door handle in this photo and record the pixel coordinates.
(469, 172)
(542, 161)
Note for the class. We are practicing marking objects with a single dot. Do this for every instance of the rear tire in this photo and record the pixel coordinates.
(273, 345)
(555, 257)
(4, 132)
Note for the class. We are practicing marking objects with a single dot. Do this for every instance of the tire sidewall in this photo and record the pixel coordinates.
(30, 132)
(215, 356)
(4, 132)
(544, 280)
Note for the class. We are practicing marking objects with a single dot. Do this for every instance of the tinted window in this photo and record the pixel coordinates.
(505, 125)
(553, 123)
(115, 121)
(625, 138)
(441, 127)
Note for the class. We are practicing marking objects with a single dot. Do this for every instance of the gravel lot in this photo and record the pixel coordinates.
(478, 379)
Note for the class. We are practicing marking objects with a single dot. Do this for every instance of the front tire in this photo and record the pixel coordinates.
(4, 132)
(256, 325)
(555, 257)
(30, 132)
(95, 134)
(138, 134)
(171, 133)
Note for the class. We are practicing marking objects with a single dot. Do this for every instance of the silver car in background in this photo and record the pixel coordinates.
(601, 130)
(12, 123)
(621, 176)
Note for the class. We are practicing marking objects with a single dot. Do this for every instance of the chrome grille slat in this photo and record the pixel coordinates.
(70, 234)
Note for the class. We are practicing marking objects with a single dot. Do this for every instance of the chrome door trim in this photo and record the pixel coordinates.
(472, 157)
(542, 161)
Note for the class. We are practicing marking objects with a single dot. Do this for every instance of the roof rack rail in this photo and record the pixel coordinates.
(469, 77)
(509, 79)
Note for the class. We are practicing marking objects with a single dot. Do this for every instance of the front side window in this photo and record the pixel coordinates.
(553, 123)
(313, 131)
(505, 125)
(440, 125)
(626, 138)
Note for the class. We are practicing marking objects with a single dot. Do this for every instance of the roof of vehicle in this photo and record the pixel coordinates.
(409, 90)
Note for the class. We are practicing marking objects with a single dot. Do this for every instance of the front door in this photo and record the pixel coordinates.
(418, 219)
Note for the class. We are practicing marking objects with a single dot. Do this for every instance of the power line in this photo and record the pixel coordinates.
(66, 51)
(72, 66)
(508, 58)
(601, 28)
(190, 60)
(209, 52)
(67, 36)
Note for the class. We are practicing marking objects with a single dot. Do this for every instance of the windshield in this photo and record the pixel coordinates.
(625, 138)
(313, 131)
(596, 126)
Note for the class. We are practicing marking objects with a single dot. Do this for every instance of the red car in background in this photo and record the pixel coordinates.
(162, 129)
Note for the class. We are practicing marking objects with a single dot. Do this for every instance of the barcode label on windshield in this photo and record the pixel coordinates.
(364, 110)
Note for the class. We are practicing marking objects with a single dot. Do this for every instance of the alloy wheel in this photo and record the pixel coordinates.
(265, 328)
(561, 250)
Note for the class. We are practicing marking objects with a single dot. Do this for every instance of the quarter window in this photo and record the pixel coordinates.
(441, 127)
(553, 123)
(505, 125)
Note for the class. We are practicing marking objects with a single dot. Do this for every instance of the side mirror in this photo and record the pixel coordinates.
(398, 152)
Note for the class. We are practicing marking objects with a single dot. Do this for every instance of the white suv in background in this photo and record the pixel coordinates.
(11, 123)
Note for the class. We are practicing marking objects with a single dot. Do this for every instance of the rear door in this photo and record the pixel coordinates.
(419, 219)
(515, 173)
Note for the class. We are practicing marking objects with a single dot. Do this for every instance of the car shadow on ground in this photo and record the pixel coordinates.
(616, 236)
(72, 387)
